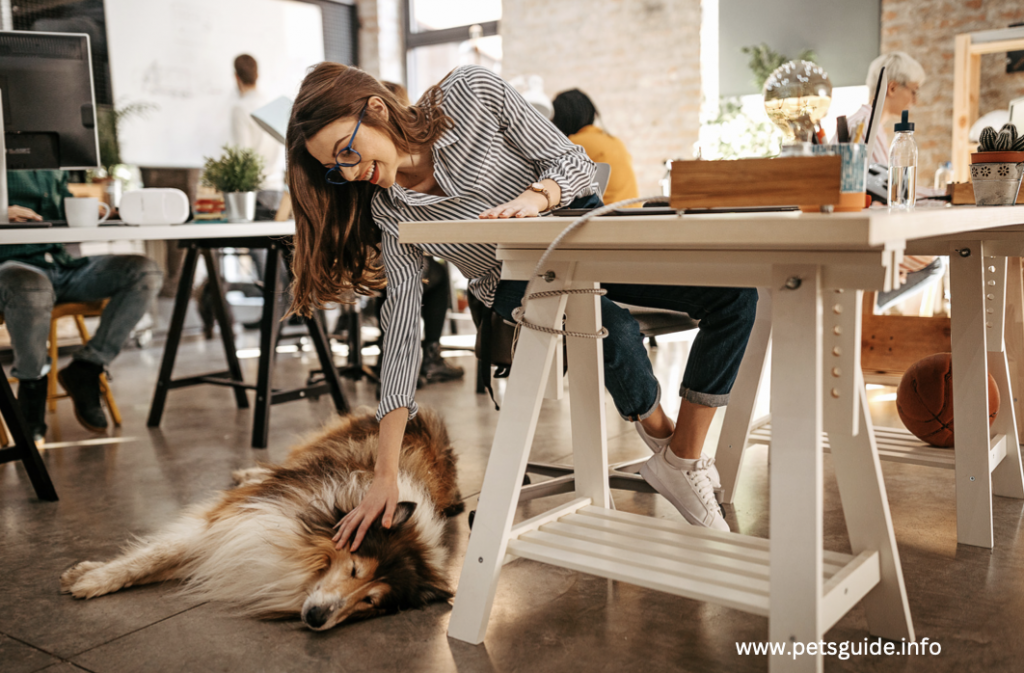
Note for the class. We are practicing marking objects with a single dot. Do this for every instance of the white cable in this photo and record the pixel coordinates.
(519, 313)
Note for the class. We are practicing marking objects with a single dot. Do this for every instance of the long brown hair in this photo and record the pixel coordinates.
(337, 245)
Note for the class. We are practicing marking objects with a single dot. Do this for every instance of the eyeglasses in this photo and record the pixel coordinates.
(347, 157)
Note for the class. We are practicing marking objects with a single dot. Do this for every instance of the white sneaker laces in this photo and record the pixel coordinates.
(702, 482)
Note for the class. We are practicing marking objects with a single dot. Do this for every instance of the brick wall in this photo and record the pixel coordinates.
(925, 29)
(639, 60)
(381, 39)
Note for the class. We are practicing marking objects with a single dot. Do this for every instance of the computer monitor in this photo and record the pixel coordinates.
(49, 108)
(48, 104)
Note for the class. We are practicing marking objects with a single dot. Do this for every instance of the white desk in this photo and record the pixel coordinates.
(815, 267)
(11, 234)
(254, 234)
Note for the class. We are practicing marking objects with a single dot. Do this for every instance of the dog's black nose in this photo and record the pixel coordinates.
(316, 616)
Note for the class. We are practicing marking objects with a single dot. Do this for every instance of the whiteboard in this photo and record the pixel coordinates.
(179, 56)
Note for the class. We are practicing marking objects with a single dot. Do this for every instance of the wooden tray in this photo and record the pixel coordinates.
(783, 181)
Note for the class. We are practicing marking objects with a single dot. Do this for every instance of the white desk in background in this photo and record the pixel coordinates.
(12, 234)
(814, 268)
(199, 239)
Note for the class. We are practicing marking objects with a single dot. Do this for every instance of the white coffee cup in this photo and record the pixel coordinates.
(84, 211)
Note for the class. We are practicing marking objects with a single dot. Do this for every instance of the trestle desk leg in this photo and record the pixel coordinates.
(269, 326)
(181, 299)
(869, 523)
(506, 465)
(1007, 478)
(227, 330)
(970, 299)
(739, 415)
(586, 397)
(323, 352)
(795, 473)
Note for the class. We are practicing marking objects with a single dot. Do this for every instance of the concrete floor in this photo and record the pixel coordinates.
(545, 619)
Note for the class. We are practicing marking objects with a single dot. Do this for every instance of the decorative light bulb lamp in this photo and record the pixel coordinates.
(797, 96)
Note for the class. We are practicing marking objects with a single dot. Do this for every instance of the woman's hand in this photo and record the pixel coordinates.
(382, 497)
(522, 206)
(21, 214)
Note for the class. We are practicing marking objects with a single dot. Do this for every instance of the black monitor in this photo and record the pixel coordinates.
(49, 107)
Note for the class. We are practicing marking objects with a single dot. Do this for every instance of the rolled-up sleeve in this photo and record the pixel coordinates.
(400, 322)
(537, 138)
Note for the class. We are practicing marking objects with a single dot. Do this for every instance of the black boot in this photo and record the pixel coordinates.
(32, 400)
(434, 368)
(81, 380)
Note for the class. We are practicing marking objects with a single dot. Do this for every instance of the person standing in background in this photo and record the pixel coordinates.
(246, 133)
(574, 116)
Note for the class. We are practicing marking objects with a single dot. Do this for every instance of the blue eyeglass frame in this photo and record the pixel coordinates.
(348, 148)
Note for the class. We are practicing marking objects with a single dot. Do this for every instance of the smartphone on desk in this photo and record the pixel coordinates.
(26, 225)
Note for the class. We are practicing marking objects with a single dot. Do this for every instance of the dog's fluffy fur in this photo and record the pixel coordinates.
(265, 546)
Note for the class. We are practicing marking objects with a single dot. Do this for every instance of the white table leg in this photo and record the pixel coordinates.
(970, 392)
(586, 397)
(1007, 478)
(732, 442)
(868, 522)
(513, 437)
(795, 474)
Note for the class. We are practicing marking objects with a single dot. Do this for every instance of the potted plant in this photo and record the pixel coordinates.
(997, 166)
(109, 121)
(238, 173)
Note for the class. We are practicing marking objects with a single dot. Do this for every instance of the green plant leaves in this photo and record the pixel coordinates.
(239, 169)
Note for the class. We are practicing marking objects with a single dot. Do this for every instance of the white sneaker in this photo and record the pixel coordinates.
(689, 490)
(657, 445)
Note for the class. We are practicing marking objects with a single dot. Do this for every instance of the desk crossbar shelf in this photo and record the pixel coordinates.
(894, 444)
(724, 568)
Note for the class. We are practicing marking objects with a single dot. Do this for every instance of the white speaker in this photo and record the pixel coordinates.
(154, 206)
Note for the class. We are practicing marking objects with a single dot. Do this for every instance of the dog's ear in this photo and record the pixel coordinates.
(403, 511)
(429, 593)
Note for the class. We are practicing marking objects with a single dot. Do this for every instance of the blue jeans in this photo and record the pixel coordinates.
(726, 317)
(28, 294)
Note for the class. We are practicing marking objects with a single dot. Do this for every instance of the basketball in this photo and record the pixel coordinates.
(924, 400)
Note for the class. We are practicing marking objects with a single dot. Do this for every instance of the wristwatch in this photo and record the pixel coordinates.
(541, 189)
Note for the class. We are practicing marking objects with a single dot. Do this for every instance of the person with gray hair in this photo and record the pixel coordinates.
(905, 77)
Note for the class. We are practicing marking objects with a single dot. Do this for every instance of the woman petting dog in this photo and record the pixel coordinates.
(360, 162)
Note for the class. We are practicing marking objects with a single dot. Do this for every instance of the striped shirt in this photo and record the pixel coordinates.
(499, 145)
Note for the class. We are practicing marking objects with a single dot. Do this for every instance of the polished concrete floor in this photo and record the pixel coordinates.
(969, 600)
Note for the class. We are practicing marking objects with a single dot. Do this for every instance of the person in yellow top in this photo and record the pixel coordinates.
(574, 116)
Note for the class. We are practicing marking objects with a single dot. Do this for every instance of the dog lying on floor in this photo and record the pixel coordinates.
(265, 546)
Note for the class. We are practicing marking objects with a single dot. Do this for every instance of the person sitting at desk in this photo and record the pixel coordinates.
(905, 77)
(472, 147)
(574, 116)
(34, 277)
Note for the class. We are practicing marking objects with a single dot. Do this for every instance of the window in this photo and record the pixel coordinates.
(444, 34)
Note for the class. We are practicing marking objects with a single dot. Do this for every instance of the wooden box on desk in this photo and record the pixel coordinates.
(962, 194)
(784, 181)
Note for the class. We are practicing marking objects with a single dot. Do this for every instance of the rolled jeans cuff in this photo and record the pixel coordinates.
(650, 410)
(703, 399)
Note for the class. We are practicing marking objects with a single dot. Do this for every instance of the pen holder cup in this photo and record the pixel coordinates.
(853, 179)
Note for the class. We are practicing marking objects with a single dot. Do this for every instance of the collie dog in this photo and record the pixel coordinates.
(265, 546)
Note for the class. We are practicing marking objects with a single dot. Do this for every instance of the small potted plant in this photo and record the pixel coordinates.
(238, 173)
(997, 166)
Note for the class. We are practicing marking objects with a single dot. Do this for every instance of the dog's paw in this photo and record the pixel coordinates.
(99, 582)
(70, 576)
(251, 475)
